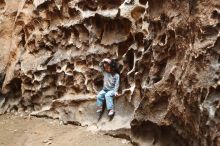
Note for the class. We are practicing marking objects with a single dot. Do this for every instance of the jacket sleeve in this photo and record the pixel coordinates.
(101, 66)
(117, 83)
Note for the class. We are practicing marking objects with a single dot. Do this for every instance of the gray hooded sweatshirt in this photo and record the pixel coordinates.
(111, 81)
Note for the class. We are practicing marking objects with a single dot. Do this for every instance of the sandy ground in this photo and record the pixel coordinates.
(24, 131)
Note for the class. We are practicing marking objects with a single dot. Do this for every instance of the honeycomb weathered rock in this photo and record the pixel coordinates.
(169, 52)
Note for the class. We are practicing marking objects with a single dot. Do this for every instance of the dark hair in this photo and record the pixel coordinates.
(114, 66)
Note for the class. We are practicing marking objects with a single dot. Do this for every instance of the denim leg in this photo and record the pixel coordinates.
(109, 99)
(100, 98)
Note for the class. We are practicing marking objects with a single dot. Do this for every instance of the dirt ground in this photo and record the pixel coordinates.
(32, 131)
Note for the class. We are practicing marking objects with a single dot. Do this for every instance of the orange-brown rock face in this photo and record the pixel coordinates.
(169, 52)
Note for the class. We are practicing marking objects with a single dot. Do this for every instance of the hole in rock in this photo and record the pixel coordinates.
(29, 2)
(213, 97)
(36, 84)
(217, 26)
(155, 7)
(115, 31)
(83, 33)
(192, 6)
(203, 95)
(2, 78)
(73, 12)
(26, 80)
(171, 34)
(139, 24)
(36, 98)
(217, 113)
(215, 14)
(88, 5)
(155, 26)
(143, 2)
(97, 23)
(216, 47)
(147, 44)
(15, 88)
(14, 108)
(209, 31)
(139, 54)
(51, 68)
(44, 5)
(217, 89)
(109, 31)
(69, 80)
(149, 133)
(2, 3)
(49, 80)
(31, 47)
(53, 14)
(130, 58)
(161, 69)
(110, 4)
(164, 18)
(15, 84)
(70, 67)
(139, 38)
(160, 104)
(137, 12)
(92, 5)
(66, 32)
(172, 50)
(98, 83)
(23, 41)
(123, 46)
(163, 38)
(61, 90)
(182, 31)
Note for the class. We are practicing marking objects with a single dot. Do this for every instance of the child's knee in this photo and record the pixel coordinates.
(106, 96)
(100, 96)
(109, 95)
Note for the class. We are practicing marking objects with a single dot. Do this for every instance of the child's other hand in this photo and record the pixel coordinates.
(106, 60)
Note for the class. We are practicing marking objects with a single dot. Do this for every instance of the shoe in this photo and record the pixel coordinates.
(99, 109)
(111, 112)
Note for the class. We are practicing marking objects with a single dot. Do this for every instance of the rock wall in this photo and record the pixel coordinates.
(169, 52)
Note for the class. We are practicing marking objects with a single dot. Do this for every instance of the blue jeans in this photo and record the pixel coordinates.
(108, 96)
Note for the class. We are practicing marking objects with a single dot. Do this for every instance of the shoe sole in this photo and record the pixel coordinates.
(111, 114)
(99, 111)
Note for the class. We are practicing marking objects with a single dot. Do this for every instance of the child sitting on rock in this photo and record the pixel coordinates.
(110, 87)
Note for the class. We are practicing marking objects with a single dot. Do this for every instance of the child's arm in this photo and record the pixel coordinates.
(101, 66)
(117, 82)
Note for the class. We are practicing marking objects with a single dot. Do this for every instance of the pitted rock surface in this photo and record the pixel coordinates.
(168, 51)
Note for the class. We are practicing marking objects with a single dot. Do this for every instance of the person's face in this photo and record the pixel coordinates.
(107, 67)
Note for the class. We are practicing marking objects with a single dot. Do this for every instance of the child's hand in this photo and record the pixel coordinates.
(106, 60)
(117, 94)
